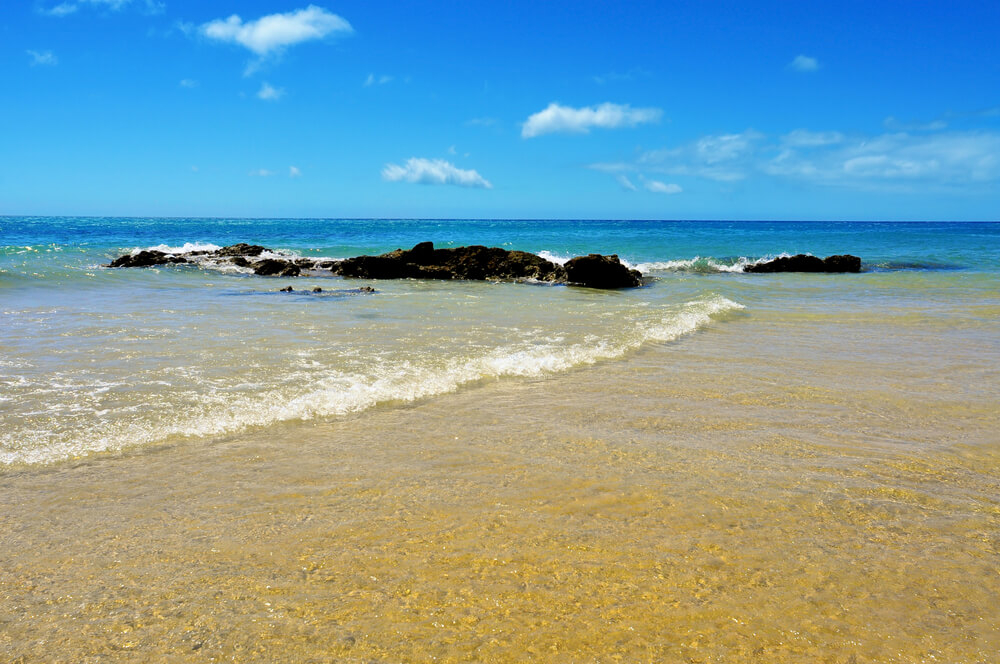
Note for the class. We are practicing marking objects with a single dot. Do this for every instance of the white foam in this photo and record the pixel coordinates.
(183, 249)
(554, 258)
(337, 393)
(705, 265)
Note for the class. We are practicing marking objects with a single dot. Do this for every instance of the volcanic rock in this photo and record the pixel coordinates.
(597, 271)
(806, 263)
(146, 259)
(272, 267)
(242, 249)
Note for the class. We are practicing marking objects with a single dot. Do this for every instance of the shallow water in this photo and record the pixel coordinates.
(718, 467)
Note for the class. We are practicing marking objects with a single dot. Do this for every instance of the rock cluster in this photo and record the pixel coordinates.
(421, 262)
(476, 262)
(806, 263)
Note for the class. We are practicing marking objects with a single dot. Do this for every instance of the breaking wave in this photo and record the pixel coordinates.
(76, 421)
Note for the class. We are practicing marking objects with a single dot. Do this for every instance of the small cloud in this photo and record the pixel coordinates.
(188, 83)
(434, 171)
(261, 173)
(658, 187)
(803, 138)
(45, 58)
(72, 6)
(272, 34)
(804, 63)
(294, 172)
(625, 183)
(380, 80)
(268, 92)
(558, 118)
(64, 9)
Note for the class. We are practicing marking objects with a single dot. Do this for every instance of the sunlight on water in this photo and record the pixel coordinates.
(734, 496)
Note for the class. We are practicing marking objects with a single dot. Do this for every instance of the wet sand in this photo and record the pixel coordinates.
(743, 494)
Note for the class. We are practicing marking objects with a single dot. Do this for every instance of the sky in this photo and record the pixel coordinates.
(462, 109)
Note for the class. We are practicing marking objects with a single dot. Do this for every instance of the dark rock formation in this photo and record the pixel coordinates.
(270, 267)
(241, 249)
(479, 263)
(599, 271)
(147, 259)
(804, 263)
(242, 255)
(474, 262)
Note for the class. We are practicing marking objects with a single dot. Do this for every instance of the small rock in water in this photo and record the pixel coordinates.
(317, 289)
(367, 289)
(286, 289)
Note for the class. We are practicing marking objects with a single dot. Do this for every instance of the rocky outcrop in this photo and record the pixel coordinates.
(270, 267)
(806, 263)
(477, 262)
(146, 259)
(241, 255)
(599, 271)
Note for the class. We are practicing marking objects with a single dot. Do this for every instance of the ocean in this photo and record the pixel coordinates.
(717, 466)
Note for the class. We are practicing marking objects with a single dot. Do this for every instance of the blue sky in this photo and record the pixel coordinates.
(683, 110)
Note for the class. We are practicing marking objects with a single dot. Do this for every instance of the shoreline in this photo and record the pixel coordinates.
(535, 517)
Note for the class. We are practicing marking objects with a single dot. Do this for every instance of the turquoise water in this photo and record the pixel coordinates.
(94, 360)
(717, 466)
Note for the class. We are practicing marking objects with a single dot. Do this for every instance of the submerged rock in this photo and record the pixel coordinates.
(480, 263)
(806, 263)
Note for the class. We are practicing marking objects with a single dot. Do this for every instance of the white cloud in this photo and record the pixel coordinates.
(188, 83)
(662, 187)
(64, 9)
(941, 159)
(625, 183)
(271, 34)
(900, 161)
(294, 172)
(558, 118)
(433, 171)
(261, 173)
(42, 58)
(268, 92)
(724, 157)
(804, 63)
(377, 80)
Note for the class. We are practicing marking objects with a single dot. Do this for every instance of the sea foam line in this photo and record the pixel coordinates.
(338, 393)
